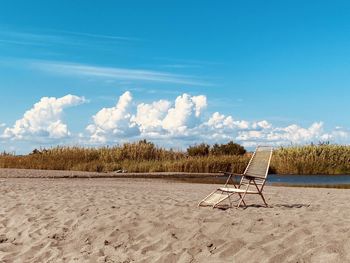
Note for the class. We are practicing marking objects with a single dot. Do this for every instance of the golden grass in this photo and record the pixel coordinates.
(144, 156)
(312, 159)
(134, 157)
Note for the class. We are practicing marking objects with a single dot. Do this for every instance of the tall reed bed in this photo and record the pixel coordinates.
(144, 156)
(90, 159)
(312, 159)
(103, 160)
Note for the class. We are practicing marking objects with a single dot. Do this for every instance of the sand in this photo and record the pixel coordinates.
(150, 220)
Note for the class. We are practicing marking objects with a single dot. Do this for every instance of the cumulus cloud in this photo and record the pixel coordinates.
(265, 133)
(339, 135)
(261, 125)
(220, 121)
(185, 114)
(183, 120)
(149, 117)
(159, 119)
(175, 123)
(220, 128)
(113, 122)
(297, 134)
(44, 120)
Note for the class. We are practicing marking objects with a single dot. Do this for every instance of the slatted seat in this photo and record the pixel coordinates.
(236, 190)
(252, 181)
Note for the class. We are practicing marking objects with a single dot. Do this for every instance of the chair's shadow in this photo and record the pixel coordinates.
(290, 206)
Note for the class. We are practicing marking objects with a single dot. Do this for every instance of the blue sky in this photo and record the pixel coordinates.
(273, 71)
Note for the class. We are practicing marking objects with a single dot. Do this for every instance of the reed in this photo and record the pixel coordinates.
(144, 156)
(102, 159)
(312, 159)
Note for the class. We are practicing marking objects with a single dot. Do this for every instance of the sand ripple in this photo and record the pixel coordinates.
(123, 220)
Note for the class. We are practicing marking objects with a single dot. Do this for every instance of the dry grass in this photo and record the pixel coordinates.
(312, 159)
(146, 157)
(133, 157)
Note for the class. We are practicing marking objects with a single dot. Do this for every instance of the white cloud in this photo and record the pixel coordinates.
(110, 73)
(183, 122)
(251, 135)
(220, 121)
(155, 120)
(297, 134)
(185, 114)
(200, 103)
(44, 120)
(339, 135)
(149, 117)
(61, 37)
(262, 125)
(2, 125)
(113, 122)
(178, 124)
(263, 132)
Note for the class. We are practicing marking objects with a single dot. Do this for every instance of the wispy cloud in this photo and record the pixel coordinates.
(54, 37)
(175, 62)
(31, 38)
(53, 40)
(98, 36)
(180, 66)
(18, 42)
(75, 69)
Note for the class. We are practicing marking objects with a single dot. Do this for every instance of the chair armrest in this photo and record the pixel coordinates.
(228, 173)
(230, 177)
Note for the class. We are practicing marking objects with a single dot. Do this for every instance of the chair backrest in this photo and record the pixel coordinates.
(258, 166)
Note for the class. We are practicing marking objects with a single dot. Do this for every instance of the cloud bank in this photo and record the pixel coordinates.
(181, 122)
(44, 119)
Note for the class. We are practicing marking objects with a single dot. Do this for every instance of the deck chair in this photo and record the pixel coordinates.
(252, 180)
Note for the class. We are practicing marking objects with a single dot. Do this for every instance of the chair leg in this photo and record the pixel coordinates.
(244, 194)
(260, 193)
(240, 196)
(240, 201)
(263, 199)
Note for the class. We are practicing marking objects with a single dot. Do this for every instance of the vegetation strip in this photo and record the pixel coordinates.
(31, 173)
(146, 157)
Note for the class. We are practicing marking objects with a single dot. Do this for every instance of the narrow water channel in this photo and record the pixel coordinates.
(338, 181)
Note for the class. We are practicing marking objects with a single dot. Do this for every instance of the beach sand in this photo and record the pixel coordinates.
(150, 220)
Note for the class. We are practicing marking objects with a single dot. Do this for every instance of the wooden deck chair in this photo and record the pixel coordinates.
(252, 181)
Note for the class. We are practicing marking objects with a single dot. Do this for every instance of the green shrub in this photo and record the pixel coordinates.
(230, 148)
(198, 150)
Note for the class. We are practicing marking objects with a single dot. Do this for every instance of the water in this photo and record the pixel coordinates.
(329, 180)
(338, 181)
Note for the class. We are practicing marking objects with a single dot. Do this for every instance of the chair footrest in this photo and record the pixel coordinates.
(213, 199)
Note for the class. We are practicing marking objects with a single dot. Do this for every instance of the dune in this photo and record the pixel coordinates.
(150, 220)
